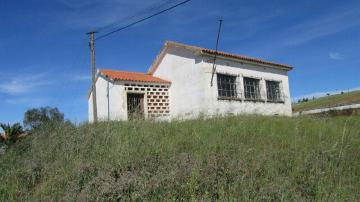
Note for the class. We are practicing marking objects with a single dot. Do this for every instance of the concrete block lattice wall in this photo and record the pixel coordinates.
(156, 98)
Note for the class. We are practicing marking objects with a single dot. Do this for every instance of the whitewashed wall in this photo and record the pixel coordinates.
(191, 94)
(117, 101)
(186, 92)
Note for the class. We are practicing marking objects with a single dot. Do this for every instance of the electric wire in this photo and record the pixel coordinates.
(141, 12)
(141, 20)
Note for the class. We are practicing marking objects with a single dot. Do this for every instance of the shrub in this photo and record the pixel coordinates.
(36, 117)
(12, 132)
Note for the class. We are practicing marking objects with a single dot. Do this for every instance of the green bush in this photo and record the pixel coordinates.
(12, 132)
(37, 117)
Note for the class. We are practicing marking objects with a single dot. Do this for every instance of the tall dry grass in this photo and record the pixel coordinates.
(233, 158)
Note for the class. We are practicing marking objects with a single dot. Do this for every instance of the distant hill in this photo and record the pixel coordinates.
(329, 101)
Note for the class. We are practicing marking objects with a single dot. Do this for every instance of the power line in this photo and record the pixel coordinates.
(141, 12)
(216, 52)
(141, 20)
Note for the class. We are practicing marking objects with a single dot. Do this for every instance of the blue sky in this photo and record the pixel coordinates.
(44, 54)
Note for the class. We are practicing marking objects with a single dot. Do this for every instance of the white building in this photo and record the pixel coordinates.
(178, 86)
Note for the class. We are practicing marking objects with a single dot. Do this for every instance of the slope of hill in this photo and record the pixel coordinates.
(234, 158)
(329, 101)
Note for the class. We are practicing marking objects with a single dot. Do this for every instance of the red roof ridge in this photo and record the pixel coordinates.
(122, 71)
(131, 76)
(227, 54)
(248, 58)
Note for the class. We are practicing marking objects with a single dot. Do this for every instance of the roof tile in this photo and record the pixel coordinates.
(229, 55)
(132, 76)
(242, 57)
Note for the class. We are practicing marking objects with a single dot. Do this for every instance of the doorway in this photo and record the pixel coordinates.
(135, 106)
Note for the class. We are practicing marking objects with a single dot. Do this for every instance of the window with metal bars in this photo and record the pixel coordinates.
(226, 86)
(252, 88)
(135, 106)
(273, 91)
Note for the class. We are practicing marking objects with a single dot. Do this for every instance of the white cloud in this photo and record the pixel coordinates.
(333, 23)
(23, 84)
(335, 56)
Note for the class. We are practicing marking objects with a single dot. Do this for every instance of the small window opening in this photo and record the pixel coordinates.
(252, 88)
(226, 86)
(273, 91)
(135, 106)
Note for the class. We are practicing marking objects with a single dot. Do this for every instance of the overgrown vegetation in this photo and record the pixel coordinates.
(36, 117)
(328, 101)
(11, 133)
(233, 158)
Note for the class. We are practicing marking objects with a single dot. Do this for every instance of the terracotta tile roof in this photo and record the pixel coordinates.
(247, 58)
(132, 76)
(212, 52)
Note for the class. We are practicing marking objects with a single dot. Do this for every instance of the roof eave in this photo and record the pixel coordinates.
(149, 82)
(161, 54)
(277, 66)
(98, 74)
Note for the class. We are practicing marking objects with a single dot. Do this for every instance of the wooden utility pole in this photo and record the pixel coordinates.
(93, 74)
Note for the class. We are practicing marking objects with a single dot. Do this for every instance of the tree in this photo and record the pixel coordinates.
(36, 117)
(12, 132)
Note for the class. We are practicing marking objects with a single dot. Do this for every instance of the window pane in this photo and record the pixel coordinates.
(226, 85)
(273, 91)
(252, 88)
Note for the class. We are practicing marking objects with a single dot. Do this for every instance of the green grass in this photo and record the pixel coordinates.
(235, 158)
(329, 101)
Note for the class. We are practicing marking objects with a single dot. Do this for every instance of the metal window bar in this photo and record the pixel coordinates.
(135, 106)
(252, 89)
(273, 91)
(226, 86)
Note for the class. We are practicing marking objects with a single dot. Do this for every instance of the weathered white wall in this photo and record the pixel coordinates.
(187, 89)
(117, 101)
(90, 108)
(191, 94)
(213, 106)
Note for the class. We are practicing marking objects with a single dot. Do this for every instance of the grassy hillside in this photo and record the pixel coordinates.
(244, 158)
(329, 101)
